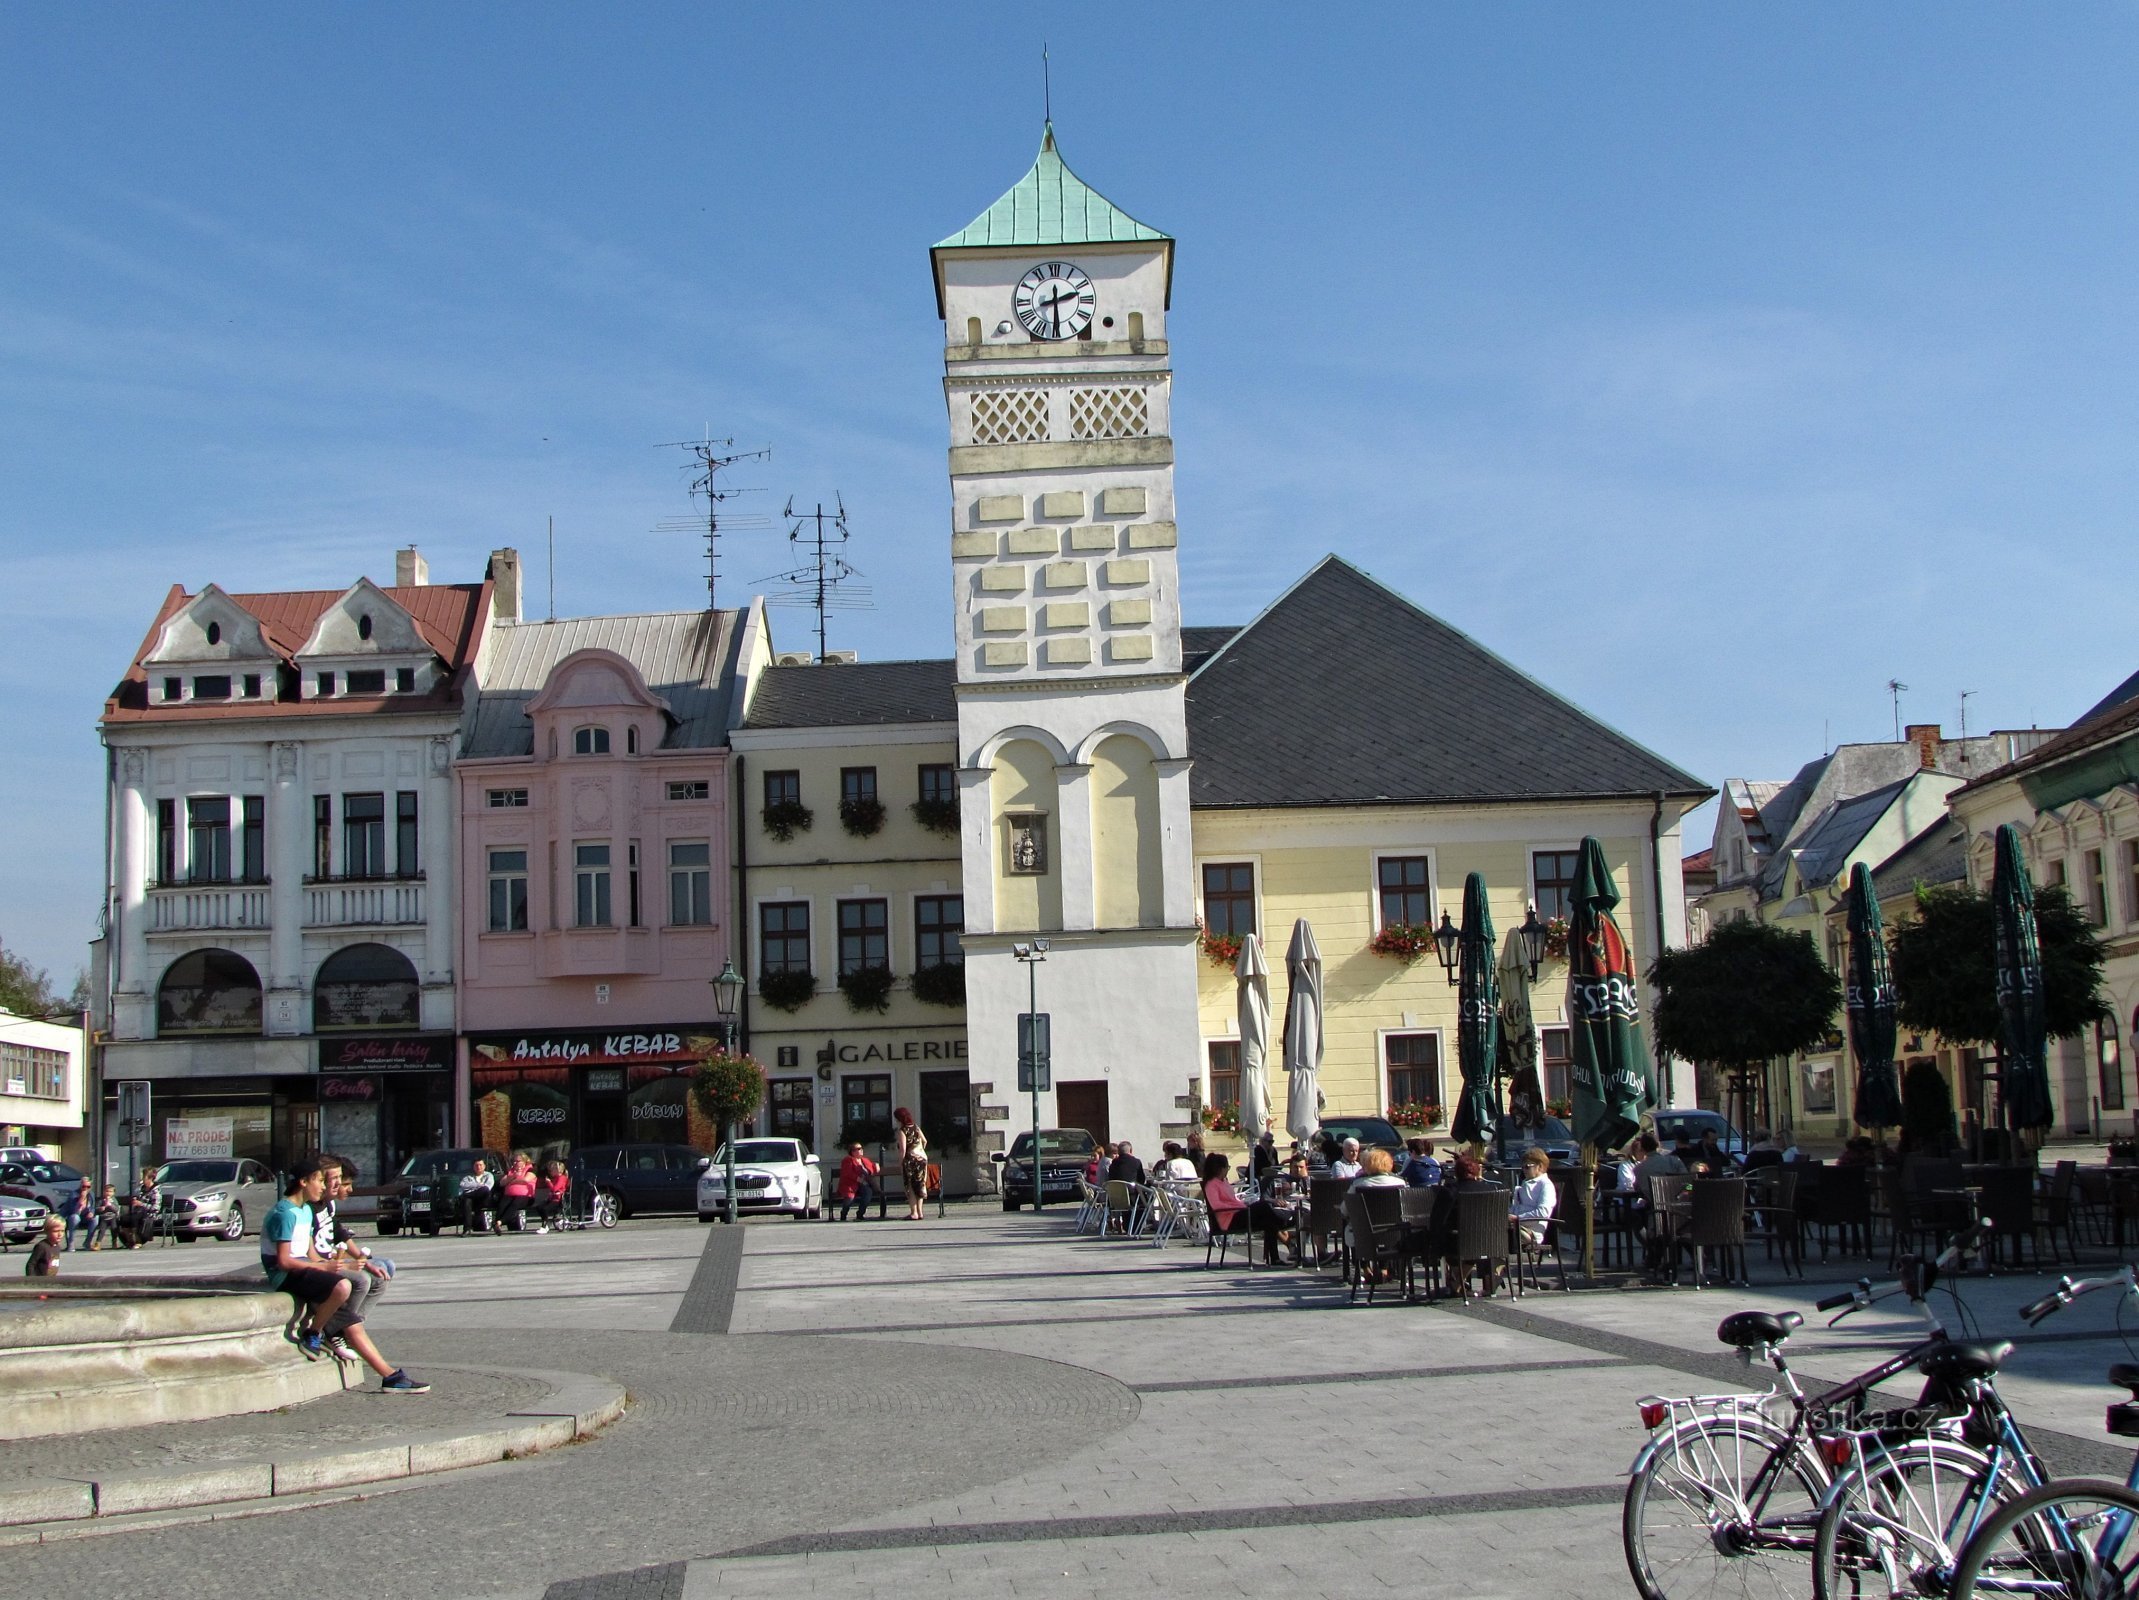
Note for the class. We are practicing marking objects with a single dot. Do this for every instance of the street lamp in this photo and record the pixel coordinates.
(1448, 939)
(1033, 1055)
(1533, 932)
(727, 995)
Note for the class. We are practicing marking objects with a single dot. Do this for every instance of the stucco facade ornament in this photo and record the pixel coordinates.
(286, 762)
(133, 766)
(441, 757)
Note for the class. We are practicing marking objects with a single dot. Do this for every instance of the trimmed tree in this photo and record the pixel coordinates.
(728, 1089)
(1946, 973)
(1746, 995)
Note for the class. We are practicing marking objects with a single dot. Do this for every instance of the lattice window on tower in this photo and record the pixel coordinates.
(1109, 414)
(1009, 416)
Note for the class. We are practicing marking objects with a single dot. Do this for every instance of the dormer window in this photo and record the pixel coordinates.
(215, 633)
(252, 685)
(404, 680)
(174, 688)
(323, 684)
(590, 741)
(215, 687)
(367, 682)
(363, 626)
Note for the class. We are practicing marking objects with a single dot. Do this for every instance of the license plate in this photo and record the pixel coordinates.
(419, 1205)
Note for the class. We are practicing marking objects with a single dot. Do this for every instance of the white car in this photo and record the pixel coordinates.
(21, 1220)
(770, 1175)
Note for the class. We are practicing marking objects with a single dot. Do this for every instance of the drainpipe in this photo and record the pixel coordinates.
(738, 922)
(1656, 894)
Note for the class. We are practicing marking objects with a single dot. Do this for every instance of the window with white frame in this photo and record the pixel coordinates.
(590, 886)
(508, 891)
(1552, 874)
(590, 741)
(1411, 1065)
(1225, 1074)
(1404, 889)
(690, 882)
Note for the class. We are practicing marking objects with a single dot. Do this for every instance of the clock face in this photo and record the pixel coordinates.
(1054, 301)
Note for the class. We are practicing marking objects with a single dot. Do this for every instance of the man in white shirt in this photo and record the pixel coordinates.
(1347, 1163)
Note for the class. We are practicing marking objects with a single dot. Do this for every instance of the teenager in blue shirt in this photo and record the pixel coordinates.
(289, 1256)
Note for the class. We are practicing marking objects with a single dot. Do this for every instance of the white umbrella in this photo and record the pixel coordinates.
(1253, 974)
(1518, 1033)
(1303, 1032)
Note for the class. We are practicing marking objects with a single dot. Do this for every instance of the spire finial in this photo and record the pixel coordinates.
(1047, 92)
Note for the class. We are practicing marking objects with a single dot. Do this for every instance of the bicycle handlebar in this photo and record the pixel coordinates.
(1836, 1301)
(2070, 1289)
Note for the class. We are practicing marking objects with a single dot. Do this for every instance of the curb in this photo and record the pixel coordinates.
(576, 1407)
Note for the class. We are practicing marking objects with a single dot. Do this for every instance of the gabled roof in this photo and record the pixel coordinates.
(1937, 855)
(2124, 694)
(1345, 693)
(854, 694)
(1198, 645)
(1050, 205)
(685, 657)
(1823, 848)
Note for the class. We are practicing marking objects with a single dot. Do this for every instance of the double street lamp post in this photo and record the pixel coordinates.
(727, 996)
(1033, 1054)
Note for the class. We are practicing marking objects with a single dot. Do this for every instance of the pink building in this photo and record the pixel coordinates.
(595, 866)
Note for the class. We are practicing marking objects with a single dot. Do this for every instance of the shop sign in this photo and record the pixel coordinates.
(349, 1088)
(682, 1045)
(199, 1136)
(373, 1053)
(863, 1051)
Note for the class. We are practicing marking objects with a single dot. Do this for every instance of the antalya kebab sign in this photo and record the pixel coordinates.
(681, 1045)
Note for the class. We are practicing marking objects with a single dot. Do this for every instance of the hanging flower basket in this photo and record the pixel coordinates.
(1557, 930)
(786, 991)
(1221, 1119)
(1223, 949)
(938, 816)
(867, 988)
(943, 984)
(1406, 941)
(1563, 1109)
(862, 817)
(786, 818)
(1415, 1115)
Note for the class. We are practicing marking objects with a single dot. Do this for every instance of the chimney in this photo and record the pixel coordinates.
(411, 571)
(504, 574)
(1925, 736)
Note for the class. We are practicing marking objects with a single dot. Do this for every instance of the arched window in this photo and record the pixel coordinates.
(366, 986)
(363, 626)
(631, 740)
(590, 741)
(208, 991)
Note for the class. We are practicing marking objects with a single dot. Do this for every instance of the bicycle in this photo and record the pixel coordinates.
(1724, 1483)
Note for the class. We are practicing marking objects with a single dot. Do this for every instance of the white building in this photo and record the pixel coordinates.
(281, 902)
(42, 1095)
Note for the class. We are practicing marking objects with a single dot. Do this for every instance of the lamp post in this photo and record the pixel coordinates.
(727, 995)
(1533, 932)
(1034, 1054)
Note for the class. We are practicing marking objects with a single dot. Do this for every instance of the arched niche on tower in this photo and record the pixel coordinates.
(1026, 810)
(1128, 858)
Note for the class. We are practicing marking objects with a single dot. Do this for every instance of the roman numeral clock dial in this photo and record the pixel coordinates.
(1054, 301)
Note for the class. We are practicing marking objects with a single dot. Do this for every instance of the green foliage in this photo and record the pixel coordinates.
(787, 991)
(1927, 1125)
(1750, 993)
(938, 816)
(862, 817)
(867, 988)
(1946, 965)
(27, 991)
(786, 818)
(728, 1089)
(943, 984)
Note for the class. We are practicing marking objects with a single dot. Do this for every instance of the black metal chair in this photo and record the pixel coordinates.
(1239, 1226)
(1771, 1201)
(1325, 1217)
(1415, 1242)
(2006, 1200)
(1481, 1238)
(1717, 1226)
(1374, 1228)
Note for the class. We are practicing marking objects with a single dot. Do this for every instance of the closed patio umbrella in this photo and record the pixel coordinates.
(1613, 1082)
(1518, 1032)
(2025, 1074)
(1303, 1032)
(1477, 1018)
(1252, 974)
(1871, 1007)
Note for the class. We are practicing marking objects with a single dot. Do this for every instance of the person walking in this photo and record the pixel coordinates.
(913, 1161)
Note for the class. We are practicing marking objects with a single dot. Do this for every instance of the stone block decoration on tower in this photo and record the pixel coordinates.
(1073, 736)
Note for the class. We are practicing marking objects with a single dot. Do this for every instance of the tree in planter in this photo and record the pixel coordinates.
(867, 988)
(941, 984)
(787, 990)
(785, 818)
(729, 1090)
(1945, 966)
(1750, 993)
(861, 815)
(938, 816)
(1927, 1125)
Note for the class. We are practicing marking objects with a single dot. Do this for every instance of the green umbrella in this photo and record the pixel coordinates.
(2025, 1073)
(1477, 1018)
(1612, 1079)
(1871, 1007)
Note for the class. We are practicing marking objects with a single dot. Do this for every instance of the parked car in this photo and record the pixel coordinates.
(214, 1197)
(21, 1220)
(1064, 1153)
(1689, 1123)
(425, 1193)
(770, 1175)
(53, 1182)
(1373, 1133)
(1550, 1134)
(643, 1177)
(21, 1155)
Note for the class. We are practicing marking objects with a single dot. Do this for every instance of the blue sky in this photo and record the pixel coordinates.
(1715, 364)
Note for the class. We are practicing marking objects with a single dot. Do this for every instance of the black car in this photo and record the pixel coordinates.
(643, 1177)
(425, 1194)
(1549, 1134)
(1064, 1153)
(1373, 1133)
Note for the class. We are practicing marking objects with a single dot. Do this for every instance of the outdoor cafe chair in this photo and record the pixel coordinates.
(1771, 1215)
(1325, 1217)
(1717, 1224)
(2055, 1209)
(1482, 1238)
(1374, 1229)
(1091, 1205)
(1839, 1201)
(1664, 1220)
(1124, 1207)
(1414, 1241)
(2007, 1203)
(1239, 1226)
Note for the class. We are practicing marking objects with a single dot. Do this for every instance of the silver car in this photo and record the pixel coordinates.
(53, 1182)
(21, 1220)
(219, 1198)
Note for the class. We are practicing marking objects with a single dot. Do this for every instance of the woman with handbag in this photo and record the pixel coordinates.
(913, 1161)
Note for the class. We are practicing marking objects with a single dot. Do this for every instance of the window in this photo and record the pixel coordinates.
(208, 840)
(212, 688)
(363, 626)
(631, 740)
(369, 682)
(590, 885)
(2094, 888)
(323, 683)
(1229, 897)
(404, 680)
(2053, 873)
(252, 685)
(939, 784)
(1552, 872)
(1406, 891)
(215, 633)
(856, 783)
(793, 1111)
(28, 1069)
(947, 1112)
(697, 790)
(174, 688)
(690, 882)
(506, 799)
(407, 862)
(783, 788)
(253, 855)
(865, 1108)
(1559, 1046)
(2131, 880)
(167, 841)
(363, 835)
(631, 880)
(322, 836)
(784, 936)
(590, 741)
(864, 935)
(1225, 1074)
(2109, 1066)
(508, 891)
(1413, 1062)
(939, 920)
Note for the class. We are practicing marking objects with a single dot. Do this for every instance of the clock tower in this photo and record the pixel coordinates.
(1073, 780)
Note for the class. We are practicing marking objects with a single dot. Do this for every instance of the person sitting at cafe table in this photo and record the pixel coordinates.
(516, 1193)
(1711, 1154)
(1126, 1167)
(1263, 1163)
(1465, 1176)
(1530, 1207)
(1225, 1205)
(1421, 1170)
(478, 1192)
(1656, 1161)
(1174, 1165)
(1347, 1163)
(1378, 1171)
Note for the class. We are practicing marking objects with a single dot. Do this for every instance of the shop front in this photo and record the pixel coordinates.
(384, 1097)
(833, 1090)
(550, 1091)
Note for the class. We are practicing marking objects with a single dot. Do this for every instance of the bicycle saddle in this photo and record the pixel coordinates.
(1745, 1329)
(1958, 1362)
(2125, 1375)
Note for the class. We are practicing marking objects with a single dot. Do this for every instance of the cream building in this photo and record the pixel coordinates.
(43, 1066)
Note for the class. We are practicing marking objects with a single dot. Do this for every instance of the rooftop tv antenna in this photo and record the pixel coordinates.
(1896, 688)
(710, 457)
(1966, 694)
(825, 579)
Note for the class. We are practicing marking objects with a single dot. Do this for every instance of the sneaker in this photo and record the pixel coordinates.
(338, 1347)
(542, 1227)
(385, 1264)
(313, 1346)
(399, 1382)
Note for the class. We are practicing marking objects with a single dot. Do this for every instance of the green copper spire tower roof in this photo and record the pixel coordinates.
(1050, 205)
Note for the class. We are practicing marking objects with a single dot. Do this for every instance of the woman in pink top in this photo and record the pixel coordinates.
(517, 1192)
(1225, 1205)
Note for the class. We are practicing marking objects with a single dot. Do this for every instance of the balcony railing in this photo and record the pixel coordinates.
(195, 907)
(363, 902)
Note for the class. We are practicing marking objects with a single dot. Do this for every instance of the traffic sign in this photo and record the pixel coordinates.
(1034, 1051)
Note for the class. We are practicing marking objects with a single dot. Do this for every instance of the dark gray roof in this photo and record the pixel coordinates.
(1822, 848)
(2126, 691)
(1344, 692)
(854, 694)
(1937, 855)
(686, 657)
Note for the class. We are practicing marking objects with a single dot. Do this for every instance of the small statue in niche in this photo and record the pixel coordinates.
(1028, 845)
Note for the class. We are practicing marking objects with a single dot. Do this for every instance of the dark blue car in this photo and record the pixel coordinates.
(645, 1178)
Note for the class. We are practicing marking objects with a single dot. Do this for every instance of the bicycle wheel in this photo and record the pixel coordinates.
(1722, 1505)
(1894, 1525)
(2075, 1539)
